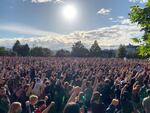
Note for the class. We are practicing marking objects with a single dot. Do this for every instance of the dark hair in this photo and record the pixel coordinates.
(88, 84)
(96, 96)
(145, 82)
(125, 96)
(40, 103)
(26, 86)
(72, 108)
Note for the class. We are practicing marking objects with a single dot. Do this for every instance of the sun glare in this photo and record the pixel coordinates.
(69, 12)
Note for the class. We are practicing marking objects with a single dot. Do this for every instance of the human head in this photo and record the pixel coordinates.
(96, 96)
(2, 81)
(47, 83)
(88, 84)
(25, 87)
(15, 108)
(66, 84)
(33, 99)
(81, 96)
(71, 108)
(2, 91)
(41, 105)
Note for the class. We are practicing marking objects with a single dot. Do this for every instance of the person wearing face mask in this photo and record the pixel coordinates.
(15, 108)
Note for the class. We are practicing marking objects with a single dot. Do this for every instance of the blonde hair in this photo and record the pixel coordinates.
(33, 97)
(15, 107)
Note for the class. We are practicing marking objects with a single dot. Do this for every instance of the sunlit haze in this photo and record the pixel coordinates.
(69, 12)
(59, 23)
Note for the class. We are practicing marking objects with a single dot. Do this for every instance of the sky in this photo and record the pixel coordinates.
(42, 22)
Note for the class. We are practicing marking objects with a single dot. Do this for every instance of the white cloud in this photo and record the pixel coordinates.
(110, 19)
(104, 11)
(125, 21)
(22, 29)
(120, 17)
(43, 1)
(121, 20)
(59, 1)
(106, 37)
(138, 1)
(40, 1)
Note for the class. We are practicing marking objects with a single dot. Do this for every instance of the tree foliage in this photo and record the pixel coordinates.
(62, 53)
(95, 50)
(141, 16)
(6, 52)
(21, 50)
(79, 50)
(3, 52)
(39, 51)
(106, 53)
(16, 46)
(121, 52)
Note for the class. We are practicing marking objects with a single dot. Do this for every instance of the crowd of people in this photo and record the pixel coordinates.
(74, 85)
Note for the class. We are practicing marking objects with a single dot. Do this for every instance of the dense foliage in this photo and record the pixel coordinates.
(78, 50)
(141, 16)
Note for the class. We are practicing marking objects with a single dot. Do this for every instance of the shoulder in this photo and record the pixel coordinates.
(146, 99)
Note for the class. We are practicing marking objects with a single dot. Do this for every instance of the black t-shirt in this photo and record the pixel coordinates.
(98, 108)
(127, 107)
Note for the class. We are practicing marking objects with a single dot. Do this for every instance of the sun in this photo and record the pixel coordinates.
(69, 12)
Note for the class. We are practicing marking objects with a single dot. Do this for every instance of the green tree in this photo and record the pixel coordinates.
(141, 16)
(21, 50)
(36, 51)
(95, 50)
(16, 46)
(62, 53)
(2, 51)
(108, 53)
(46, 52)
(39, 51)
(79, 50)
(121, 52)
(6, 52)
(24, 50)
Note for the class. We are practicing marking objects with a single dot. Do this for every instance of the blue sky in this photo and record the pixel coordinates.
(35, 21)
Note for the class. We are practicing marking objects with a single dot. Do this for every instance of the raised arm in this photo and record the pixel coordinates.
(49, 107)
(95, 85)
(76, 91)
